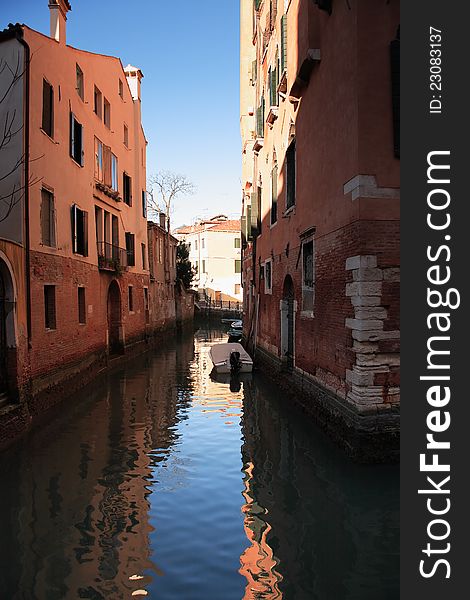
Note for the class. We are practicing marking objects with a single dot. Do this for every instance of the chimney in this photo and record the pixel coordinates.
(162, 217)
(58, 10)
(134, 77)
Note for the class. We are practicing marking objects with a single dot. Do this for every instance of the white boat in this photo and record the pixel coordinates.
(230, 358)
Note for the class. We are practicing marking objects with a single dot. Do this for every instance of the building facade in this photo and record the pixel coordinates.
(320, 177)
(215, 253)
(73, 242)
(162, 265)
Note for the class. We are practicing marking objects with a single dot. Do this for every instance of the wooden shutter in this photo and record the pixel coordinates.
(72, 135)
(283, 43)
(254, 213)
(85, 233)
(47, 108)
(107, 178)
(243, 231)
(74, 227)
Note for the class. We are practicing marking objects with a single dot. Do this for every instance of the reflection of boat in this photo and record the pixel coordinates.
(230, 358)
(238, 324)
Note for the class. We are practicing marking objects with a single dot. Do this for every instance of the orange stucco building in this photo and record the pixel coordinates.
(319, 123)
(73, 228)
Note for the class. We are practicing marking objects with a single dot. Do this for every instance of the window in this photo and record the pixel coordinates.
(308, 277)
(290, 175)
(237, 289)
(236, 242)
(274, 195)
(146, 306)
(81, 305)
(79, 231)
(130, 248)
(98, 102)
(144, 204)
(121, 88)
(49, 307)
(238, 266)
(203, 243)
(47, 108)
(268, 289)
(76, 140)
(79, 84)
(47, 218)
(160, 250)
(203, 266)
(131, 298)
(144, 256)
(126, 136)
(99, 224)
(107, 113)
(98, 159)
(195, 244)
(127, 189)
(114, 172)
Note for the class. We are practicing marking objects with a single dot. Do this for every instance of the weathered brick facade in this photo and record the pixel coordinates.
(320, 179)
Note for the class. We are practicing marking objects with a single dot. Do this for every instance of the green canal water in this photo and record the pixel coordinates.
(159, 482)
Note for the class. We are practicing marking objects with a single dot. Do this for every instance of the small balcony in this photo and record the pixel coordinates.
(111, 257)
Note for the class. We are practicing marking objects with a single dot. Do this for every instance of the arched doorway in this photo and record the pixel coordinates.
(288, 310)
(114, 318)
(7, 327)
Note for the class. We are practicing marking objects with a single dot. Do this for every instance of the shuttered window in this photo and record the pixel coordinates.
(47, 218)
(76, 140)
(274, 195)
(107, 174)
(254, 213)
(130, 248)
(79, 231)
(98, 102)
(107, 113)
(238, 265)
(144, 204)
(114, 172)
(79, 82)
(98, 159)
(283, 43)
(47, 108)
(290, 175)
(127, 189)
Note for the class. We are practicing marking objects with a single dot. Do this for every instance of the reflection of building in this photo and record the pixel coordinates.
(79, 520)
(214, 251)
(320, 177)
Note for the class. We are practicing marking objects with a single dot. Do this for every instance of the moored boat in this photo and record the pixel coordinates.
(230, 358)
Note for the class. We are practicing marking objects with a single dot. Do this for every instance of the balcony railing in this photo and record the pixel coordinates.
(111, 257)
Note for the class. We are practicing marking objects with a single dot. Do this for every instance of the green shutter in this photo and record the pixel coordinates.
(254, 72)
(283, 43)
(273, 87)
(254, 214)
(249, 235)
(257, 4)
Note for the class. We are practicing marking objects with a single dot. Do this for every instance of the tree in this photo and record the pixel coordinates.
(164, 188)
(184, 269)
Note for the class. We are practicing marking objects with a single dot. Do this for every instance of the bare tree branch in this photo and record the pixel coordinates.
(164, 188)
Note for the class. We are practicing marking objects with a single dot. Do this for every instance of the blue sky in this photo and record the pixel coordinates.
(188, 52)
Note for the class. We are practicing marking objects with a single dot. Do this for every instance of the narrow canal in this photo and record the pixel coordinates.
(159, 482)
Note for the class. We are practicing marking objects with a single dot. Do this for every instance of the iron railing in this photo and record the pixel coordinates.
(111, 257)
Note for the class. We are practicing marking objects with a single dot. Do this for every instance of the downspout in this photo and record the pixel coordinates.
(26, 193)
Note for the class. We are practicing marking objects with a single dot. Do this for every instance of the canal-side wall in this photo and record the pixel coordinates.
(55, 386)
(366, 433)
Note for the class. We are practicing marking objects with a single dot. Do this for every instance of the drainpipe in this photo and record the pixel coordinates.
(26, 191)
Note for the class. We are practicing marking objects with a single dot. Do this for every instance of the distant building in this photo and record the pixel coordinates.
(319, 99)
(74, 276)
(215, 253)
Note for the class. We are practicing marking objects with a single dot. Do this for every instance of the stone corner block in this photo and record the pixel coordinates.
(361, 261)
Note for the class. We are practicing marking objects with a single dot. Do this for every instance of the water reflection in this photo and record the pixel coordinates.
(163, 481)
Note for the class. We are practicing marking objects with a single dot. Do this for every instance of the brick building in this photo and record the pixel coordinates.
(162, 266)
(73, 242)
(320, 177)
